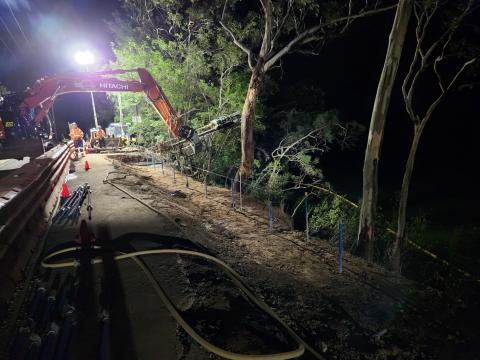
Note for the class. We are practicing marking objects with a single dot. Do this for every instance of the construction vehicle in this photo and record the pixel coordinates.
(117, 135)
(116, 130)
(17, 138)
(184, 138)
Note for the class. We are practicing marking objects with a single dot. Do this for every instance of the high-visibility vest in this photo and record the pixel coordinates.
(100, 134)
(76, 134)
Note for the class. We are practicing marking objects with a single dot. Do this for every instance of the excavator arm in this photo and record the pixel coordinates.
(44, 91)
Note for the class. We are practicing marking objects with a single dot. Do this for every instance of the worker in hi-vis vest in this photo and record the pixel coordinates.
(100, 135)
(76, 134)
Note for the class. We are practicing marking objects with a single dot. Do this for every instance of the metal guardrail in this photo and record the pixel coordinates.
(25, 191)
(22, 191)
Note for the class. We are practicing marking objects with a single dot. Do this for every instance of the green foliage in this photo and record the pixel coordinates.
(326, 216)
(205, 75)
(416, 229)
(303, 139)
(225, 151)
(328, 210)
(193, 62)
(289, 25)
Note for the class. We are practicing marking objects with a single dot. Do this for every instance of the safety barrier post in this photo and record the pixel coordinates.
(234, 200)
(163, 173)
(340, 247)
(186, 179)
(241, 199)
(205, 185)
(270, 216)
(173, 167)
(307, 229)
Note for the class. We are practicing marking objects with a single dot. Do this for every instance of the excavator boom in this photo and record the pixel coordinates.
(44, 91)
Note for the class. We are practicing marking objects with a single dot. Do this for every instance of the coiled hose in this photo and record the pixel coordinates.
(234, 276)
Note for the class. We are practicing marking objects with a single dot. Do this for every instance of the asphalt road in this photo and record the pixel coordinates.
(140, 326)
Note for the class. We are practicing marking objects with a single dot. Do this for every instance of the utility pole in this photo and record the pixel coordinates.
(94, 111)
(86, 58)
(120, 110)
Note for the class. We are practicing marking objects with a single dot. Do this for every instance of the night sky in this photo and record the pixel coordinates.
(54, 30)
(348, 70)
(445, 180)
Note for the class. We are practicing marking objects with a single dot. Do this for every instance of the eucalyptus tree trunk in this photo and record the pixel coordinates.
(402, 206)
(366, 235)
(276, 16)
(248, 119)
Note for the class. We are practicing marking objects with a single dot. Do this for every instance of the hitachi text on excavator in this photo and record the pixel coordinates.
(39, 99)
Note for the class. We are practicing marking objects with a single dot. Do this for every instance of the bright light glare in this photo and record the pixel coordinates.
(84, 57)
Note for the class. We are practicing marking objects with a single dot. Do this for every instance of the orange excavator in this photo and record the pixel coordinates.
(43, 93)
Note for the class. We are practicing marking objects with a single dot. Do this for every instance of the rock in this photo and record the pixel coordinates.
(208, 226)
(180, 222)
(178, 193)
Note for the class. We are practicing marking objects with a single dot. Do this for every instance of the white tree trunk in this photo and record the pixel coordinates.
(366, 236)
(248, 122)
(402, 206)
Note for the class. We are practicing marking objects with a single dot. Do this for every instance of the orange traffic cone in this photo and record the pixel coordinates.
(87, 166)
(65, 192)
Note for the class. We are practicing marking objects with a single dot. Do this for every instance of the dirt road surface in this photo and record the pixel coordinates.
(365, 312)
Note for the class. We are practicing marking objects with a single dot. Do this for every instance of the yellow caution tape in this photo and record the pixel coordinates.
(415, 245)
